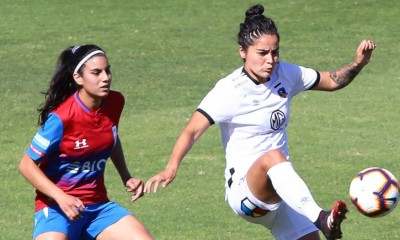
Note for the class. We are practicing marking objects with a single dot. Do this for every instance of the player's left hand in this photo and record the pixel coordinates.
(135, 185)
(364, 52)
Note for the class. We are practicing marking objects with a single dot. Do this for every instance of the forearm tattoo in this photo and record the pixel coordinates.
(344, 75)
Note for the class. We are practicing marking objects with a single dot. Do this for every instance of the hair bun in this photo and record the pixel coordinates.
(254, 11)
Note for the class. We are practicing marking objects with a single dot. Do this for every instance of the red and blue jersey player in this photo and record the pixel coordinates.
(67, 157)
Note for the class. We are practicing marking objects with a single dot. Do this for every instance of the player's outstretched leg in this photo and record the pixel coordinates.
(329, 222)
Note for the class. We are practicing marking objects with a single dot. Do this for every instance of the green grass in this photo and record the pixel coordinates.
(165, 56)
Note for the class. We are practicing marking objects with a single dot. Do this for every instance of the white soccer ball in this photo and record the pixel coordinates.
(374, 192)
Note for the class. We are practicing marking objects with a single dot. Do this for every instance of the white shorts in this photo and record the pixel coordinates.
(283, 222)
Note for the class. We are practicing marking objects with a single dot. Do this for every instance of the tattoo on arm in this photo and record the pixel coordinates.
(345, 75)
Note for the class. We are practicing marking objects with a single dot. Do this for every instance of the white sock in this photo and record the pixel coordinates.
(293, 190)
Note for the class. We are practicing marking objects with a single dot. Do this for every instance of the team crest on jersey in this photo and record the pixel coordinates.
(115, 134)
(282, 92)
(79, 144)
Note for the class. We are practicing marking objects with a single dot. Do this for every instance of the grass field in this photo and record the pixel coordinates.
(165, 56)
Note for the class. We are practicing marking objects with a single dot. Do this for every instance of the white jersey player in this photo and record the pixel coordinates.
(252, 108)
(253, 117)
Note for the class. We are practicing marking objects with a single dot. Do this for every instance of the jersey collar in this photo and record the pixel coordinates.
(251, 78)
(83, 106)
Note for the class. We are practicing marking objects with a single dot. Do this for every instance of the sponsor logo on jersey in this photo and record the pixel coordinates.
(79, 144)
(256, 102)
(278, 118)
(88, 166)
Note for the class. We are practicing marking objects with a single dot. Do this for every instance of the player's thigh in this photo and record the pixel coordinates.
(51, 223)
(52, 236)
(257, 179)
(127, 228)
(246, 205)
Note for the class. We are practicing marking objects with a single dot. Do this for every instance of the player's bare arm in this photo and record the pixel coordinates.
(343, 76)
(71, 206)
(197, 125)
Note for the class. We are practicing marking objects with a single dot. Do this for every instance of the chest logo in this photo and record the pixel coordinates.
(278, 118)
(79, 144)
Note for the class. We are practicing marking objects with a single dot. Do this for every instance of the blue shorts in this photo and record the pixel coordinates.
(95, 218)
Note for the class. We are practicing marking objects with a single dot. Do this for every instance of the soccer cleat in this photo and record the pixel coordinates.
(330, 221)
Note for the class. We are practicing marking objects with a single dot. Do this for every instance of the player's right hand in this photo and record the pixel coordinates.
(165, 177)
(71, 206)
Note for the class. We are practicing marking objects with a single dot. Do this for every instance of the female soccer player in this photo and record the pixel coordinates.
(67, 157)
(252, 105)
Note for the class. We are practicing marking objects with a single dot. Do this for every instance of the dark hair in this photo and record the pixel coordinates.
(255, 24)
(62, 84)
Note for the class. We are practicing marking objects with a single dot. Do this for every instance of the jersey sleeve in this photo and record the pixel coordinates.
(219, 105)
(303, 78)
(310, 77)
(47, 139)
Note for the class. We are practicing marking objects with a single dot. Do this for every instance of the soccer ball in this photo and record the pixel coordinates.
(374, 192)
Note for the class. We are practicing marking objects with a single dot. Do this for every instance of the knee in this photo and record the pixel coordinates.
(272, 158)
